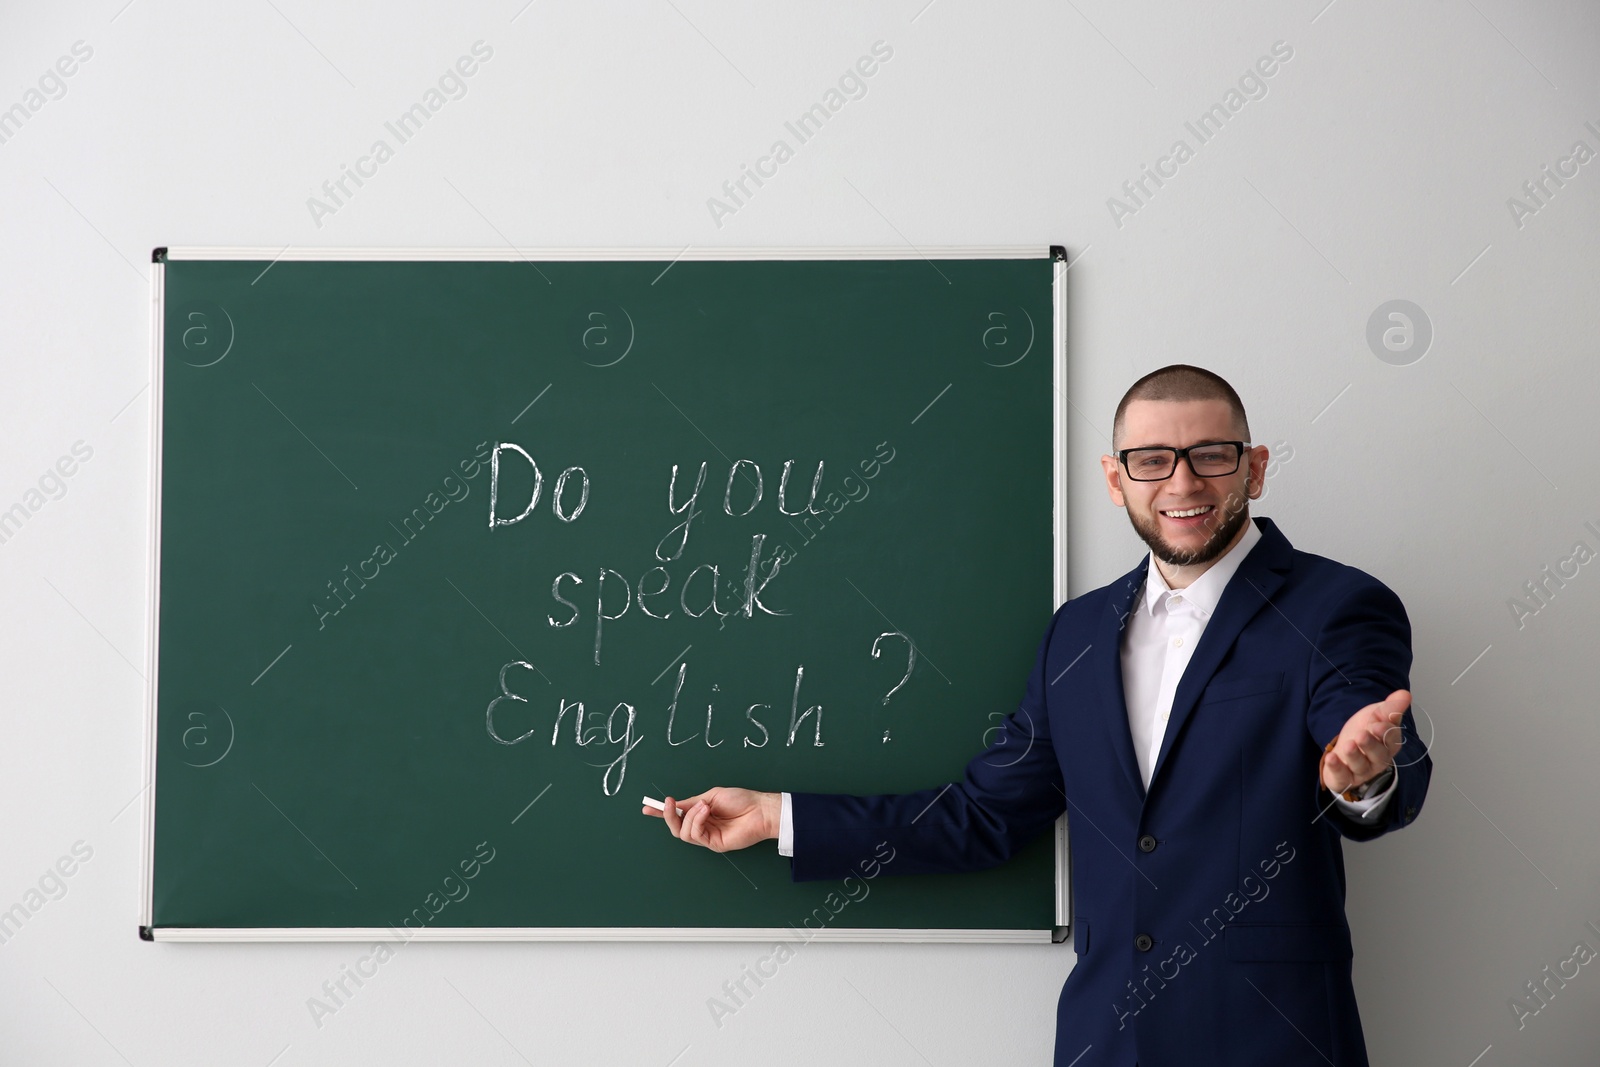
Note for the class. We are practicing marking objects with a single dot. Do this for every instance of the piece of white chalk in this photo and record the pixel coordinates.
(660, 806)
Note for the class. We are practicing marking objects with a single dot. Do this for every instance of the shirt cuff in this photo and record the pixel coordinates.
(786, 828)
(1370, 809)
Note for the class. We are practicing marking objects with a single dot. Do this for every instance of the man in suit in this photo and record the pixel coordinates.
(1213, 723)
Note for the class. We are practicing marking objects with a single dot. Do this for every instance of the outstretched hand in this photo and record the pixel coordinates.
(1367, 743)
(722, 819)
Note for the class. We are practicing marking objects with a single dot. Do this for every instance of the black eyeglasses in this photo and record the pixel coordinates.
(1212, 459)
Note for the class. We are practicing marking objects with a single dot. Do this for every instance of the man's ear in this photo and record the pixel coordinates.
(1113, 480)
(1256, 479)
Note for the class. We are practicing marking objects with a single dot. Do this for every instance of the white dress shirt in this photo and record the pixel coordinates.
(1159, 640)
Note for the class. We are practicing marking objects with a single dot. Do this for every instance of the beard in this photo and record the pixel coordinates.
(1149, 532)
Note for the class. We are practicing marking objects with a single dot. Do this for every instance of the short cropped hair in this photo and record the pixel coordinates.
(1180, 382)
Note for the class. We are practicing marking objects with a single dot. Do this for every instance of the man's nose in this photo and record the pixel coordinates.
(1184, 480)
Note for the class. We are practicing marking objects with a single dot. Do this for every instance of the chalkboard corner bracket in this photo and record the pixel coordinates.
(158, 254)
(1058, 253)
(145, 934)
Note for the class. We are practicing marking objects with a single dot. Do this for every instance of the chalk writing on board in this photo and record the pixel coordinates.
(911, 659)
(911, 663)
(704, 593)
(608, 595)
(780, 552)
(564, 510)
(745, 482)
(754, 486)
(621, 727)
(810, 526)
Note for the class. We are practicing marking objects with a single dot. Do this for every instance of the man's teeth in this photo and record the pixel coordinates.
(1189, 513)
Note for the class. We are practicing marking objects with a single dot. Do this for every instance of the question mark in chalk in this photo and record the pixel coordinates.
(911, 662)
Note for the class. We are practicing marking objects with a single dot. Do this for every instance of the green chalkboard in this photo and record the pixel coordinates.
(360, 664)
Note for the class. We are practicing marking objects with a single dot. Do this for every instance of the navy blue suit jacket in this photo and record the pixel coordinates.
(1208, 911)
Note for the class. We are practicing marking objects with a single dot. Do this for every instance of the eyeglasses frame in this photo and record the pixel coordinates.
(1182, 454)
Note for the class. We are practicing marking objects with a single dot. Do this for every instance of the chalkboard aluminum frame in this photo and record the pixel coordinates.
(1057, 254)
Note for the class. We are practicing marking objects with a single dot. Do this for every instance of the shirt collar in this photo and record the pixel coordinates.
(1205, 591)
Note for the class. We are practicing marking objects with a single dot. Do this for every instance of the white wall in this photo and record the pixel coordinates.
(1378, 166)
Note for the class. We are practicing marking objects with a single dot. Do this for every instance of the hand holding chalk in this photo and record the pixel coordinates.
(721, 819)
(658, 806)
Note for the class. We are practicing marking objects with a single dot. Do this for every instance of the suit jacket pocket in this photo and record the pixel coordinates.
(1238, 686)
(1307, 942)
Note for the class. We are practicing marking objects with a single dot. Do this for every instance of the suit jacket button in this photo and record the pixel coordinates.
(1411, 813)
(1147, 843)
(1143, 942)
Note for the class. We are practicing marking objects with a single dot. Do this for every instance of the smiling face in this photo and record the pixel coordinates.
(1187, 521)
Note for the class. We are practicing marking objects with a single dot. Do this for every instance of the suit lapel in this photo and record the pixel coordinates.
(1248, 592)
(1120, 605)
